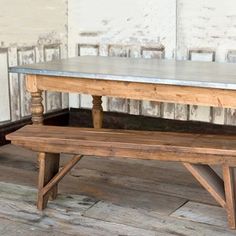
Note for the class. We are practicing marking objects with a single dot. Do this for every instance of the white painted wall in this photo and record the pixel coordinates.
(206, 24)
(28, 22)
(122, 22)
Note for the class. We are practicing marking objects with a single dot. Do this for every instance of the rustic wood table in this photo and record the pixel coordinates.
(186, 82)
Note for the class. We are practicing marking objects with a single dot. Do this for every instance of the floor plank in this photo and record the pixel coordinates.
(152, 220)
(59, 217)
(192, 192)
(202, 213)
(20, 229)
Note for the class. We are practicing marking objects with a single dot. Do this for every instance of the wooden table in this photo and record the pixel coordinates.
(186, 82)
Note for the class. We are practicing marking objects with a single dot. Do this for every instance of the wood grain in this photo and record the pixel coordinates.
(209, 180)
(48, 168)
(202, 213)
(135, 144)
(152, 92)
(97, 112)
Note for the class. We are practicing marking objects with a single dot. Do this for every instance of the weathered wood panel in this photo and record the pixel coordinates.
(39, 53)
(53, 99)
(230, 118)
(4, 88)
(118, 104)
(200, 113)
(16, 100)
(25, 56)
(151, 108)
(87, 50)
(14, 85)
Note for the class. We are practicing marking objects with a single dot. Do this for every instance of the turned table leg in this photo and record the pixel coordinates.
(48, 163)
(37, 108)
(97, 112)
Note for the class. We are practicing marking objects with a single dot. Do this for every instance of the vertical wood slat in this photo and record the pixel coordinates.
(4, 88)
(39, 54)
(63, 55)
(53, 99)
(134, 106)
(168, 110)
(26, 55)
(118, 104)
(230, 114)
(201, 113)
(64, 96)
(87, 50)
(14, 85)
(150, 108)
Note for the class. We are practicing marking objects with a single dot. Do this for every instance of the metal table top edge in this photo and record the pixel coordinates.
(25, 69)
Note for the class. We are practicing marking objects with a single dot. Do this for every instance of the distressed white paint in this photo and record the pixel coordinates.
(122, 22)
(4, 88)
(29, 22)
(206, 24)
(25, 56)
(14, 85)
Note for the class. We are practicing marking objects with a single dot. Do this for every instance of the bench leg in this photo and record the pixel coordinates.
(97, 112)
(229, 182)
(48, 168)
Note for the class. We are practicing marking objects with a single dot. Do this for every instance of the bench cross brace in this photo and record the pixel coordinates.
(223, 191)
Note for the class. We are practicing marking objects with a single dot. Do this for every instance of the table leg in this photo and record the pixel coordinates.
(97, 112)
(37, 108)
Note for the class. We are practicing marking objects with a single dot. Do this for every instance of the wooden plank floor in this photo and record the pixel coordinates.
(107, 197)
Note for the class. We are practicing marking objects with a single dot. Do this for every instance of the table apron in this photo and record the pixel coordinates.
(133, 90)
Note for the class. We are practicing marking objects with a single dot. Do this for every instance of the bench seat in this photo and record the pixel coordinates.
(195, 151)
(170, 146)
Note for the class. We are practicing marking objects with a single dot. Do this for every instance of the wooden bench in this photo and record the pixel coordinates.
(195, 151)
